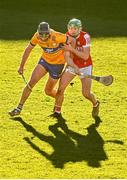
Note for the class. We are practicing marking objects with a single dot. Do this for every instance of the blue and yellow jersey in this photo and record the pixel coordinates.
(52, 48)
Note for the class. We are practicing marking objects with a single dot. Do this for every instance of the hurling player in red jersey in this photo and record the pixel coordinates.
(78, 62)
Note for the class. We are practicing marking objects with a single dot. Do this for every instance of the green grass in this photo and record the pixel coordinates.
(32, 146)
(84, 151)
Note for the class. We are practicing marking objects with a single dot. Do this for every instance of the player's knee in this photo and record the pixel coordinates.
(48, 92)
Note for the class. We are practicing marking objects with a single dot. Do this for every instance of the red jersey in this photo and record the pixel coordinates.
(82, 41)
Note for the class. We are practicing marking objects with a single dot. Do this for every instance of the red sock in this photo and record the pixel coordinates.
(57, 109)
(96, 104)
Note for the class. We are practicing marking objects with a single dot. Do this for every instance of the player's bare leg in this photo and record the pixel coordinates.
(50, 88)
(64, 82)
(37, 74)
(86, 91)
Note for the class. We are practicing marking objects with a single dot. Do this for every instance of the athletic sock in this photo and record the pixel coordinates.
(57, 109)
(20, 106)
(96, 104)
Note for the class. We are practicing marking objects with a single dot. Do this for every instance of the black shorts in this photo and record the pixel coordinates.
(54, 70)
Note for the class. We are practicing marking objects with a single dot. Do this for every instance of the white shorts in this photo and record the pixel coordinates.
(85, 70)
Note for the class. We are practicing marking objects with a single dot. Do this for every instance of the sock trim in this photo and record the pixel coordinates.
(96, 104)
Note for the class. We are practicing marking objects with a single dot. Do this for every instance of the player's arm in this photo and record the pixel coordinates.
(84, 51)
(25, 56)
(64, 39)
(69, 60)
(71, 41)
(68, 55)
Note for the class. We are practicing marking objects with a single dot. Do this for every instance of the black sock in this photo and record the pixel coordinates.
(20, 106)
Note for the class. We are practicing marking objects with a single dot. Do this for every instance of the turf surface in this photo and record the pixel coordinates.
(36, 145)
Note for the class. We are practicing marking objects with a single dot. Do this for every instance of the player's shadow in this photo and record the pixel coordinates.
(90, 147)
(69, 146)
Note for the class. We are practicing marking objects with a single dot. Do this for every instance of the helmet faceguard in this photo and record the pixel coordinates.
(44, 29)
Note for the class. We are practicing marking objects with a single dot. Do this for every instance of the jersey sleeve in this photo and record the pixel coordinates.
(62, 38)
(34, 40)
(87, 40)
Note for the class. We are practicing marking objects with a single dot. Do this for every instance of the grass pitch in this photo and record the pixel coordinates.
(36, 145)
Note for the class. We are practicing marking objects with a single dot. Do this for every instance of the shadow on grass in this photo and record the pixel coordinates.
(70, 146)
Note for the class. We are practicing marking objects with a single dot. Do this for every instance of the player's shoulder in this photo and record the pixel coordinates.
(85, 34)
(52, 30)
